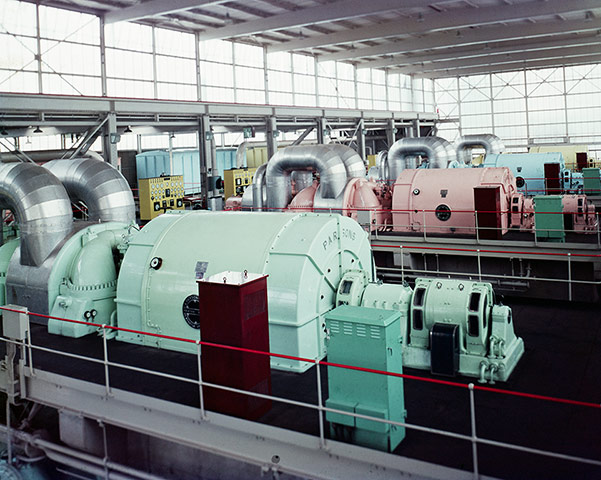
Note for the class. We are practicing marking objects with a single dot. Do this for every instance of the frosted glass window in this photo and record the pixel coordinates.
(379, 93)
(17, 17)
(364, 90)
(394, 106)
(394, 94)
(279, 98)
(514, 118)
(379, 104)
(303, 64)
(130, 36)
(177, 44)
(280, 81)
(251, 96)
(279, 61)
(250, 78)
(378, 76)
(130, 88)
(216, 94)
(216, 51)
(18, 53)
(248, 55)
(18, 82)
(70, 85)
(346, 88)
(66, 57)
(216, 74)
(171, 69)
(304, 84)
(393, 80)
(326, 69)
(546, 117)
(328, 102)
(62, 24)
(545, 103)
(584, 101)
(364, 104)
(131, 65)
(175, 91)
(305, 100)
(327, 87)
(346, 71)
(364, 75)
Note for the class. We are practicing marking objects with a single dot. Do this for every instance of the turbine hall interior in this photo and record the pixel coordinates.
(323, 240)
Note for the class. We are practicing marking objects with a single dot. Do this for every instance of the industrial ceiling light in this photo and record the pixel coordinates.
(3, 131)
(127, 129)
(38, 130)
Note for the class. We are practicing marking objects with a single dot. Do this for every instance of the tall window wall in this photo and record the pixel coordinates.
(55, 51)
(553, 105)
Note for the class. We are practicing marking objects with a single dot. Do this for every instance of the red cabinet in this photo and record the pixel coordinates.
(233, 311)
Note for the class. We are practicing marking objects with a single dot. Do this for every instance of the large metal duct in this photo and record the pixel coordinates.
(99, 185)
(489, 142)
(324, 159)
(403, 152)
(355, 167)
(42, 208)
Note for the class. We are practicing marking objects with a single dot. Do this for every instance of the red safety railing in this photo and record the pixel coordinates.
(320, 407)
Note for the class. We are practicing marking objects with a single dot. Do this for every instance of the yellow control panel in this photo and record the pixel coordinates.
(159, 194)
(236, 180)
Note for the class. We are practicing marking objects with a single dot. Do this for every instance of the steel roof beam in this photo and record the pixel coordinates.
(441, 21)
(557, 53)
(154, 8)
(340, 10)
(511, 67)
(480, 51)
(466, 37)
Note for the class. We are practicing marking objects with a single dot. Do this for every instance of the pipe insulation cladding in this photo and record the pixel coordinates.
(99, 185)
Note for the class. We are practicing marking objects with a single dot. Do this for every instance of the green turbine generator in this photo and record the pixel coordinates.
(146, 281)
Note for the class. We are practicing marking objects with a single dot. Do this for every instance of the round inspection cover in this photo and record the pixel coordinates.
(191, 312)
(443, 212)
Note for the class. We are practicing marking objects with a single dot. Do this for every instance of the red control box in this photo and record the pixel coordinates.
(233, 312)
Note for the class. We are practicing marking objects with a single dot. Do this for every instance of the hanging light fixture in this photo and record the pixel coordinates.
(127, 129)
(38, 130)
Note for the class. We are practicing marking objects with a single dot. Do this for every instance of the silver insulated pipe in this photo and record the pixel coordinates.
(334, 164)
(403, 152)
(40, 204)
(258, 188)
(100, 186)
(489, 142)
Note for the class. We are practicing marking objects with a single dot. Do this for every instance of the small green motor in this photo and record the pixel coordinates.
(375, 334)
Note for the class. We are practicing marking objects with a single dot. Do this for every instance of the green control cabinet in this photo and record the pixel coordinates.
(592, 181)
(368, 338)
(548, 218)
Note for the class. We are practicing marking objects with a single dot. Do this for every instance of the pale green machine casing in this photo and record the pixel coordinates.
(305, 256)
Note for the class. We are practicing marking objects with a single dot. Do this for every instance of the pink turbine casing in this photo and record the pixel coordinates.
(419, 193)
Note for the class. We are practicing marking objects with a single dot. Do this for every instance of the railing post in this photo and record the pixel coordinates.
(402, 265)
(201, 396)
(322, 440)
(106, 362)
(29, 347)
(598, 231)
(477, 229)
(9, 443)
(424, 222)
(570, 277)
(479, 265)
(473, 426)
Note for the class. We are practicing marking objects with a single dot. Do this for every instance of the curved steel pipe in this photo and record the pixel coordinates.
(489, 142)
(100, 186)
(258, 188)
(403, 152)
(41, 206)
(327, 160)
